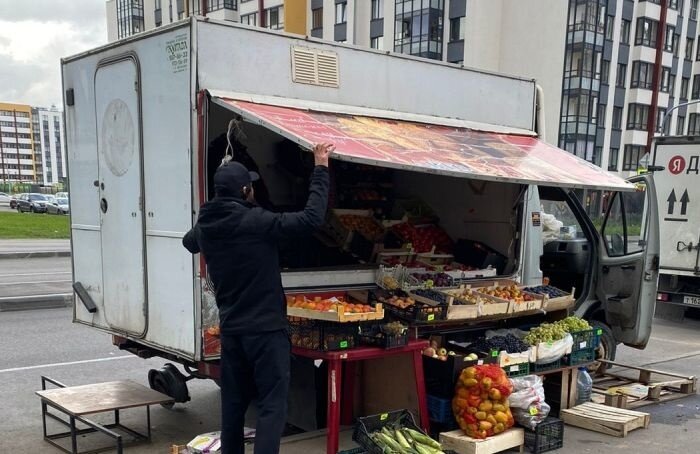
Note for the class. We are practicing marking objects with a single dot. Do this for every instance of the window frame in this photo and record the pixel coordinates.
(680, 125)
(613, 163)
(460, 21)
(377, 9)
(341, 12)
(621, 70)
(630, 165)
(640, 39)
(637, 116)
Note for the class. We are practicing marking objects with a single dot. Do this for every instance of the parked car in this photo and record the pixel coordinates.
(58, 205)
(14, 199)
(34, 203)
(4, 198)
(61, 195)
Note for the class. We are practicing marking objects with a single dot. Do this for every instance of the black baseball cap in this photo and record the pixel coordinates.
(231, 177)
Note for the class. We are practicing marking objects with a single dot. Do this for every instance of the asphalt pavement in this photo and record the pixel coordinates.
(31, 248)
(34, 282)
(45, 342)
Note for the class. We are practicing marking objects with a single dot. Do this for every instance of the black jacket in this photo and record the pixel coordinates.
(239, 244)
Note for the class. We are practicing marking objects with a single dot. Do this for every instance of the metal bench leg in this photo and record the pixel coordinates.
(148, 421)
(73, 436)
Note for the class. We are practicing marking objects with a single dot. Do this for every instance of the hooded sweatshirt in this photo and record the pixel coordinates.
(239, 243)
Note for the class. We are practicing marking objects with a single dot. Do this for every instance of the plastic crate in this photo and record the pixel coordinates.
(585, 340)
(323, 336)
(440, 410)
(534, 367)
(547, 436)
(517, 370)
(370, 424)
(377, 338)
(581, 357)
(419, 313)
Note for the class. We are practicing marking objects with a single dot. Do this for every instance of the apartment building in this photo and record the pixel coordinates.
(594, 59)
(49, 148)
(16, 146)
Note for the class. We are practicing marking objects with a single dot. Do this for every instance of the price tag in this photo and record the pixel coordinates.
(494, 353)
(480, 362)
(534, 411)
(343, 344)
(515, 368)
(582, 344)
(431, 317)
(599, 332)
(383, 416)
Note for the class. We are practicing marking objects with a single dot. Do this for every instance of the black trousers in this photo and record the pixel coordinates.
(254, 366)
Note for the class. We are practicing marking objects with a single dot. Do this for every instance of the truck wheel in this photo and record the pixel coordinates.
(169, 381)
(607, 348)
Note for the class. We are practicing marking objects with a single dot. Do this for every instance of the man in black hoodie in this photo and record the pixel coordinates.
(238, 240)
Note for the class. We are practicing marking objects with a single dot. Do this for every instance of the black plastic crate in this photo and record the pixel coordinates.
(517, 370)
(441, 376)
(534, 367)
(370, 424)
(419, 313)
(547, 436)
(585, 340)
(323, 336)
(378, 338)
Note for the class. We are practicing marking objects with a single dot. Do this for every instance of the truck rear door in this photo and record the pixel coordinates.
(628, 261)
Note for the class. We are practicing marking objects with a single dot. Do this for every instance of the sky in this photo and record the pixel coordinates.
(34, 35)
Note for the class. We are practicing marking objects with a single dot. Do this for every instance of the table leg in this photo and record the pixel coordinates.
(148, 421)
(420, 390)
(43, 417)
(573, 387)
(333, 418)
(348, 398)
(73, 436)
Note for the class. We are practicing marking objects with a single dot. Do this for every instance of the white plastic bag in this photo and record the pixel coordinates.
(548, 352)
(527, 401)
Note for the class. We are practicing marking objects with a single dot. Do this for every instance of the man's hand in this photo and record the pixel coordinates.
(321, 153)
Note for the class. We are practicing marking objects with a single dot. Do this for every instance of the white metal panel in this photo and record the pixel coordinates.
(117, 108)
(260, 63)
(678, 192)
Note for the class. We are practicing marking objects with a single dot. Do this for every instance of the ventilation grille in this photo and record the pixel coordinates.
(315, 67)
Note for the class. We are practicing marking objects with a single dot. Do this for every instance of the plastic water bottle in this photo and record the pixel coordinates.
(584, 386)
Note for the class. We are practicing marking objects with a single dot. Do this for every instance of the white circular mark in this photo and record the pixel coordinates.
(118, 141)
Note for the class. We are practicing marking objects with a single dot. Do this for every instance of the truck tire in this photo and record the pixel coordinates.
(607, 348)
(169, 381)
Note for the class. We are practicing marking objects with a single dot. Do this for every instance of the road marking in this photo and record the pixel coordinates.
(34, 282)
(71, 363)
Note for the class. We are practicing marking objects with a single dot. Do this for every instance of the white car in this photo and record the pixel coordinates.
(4, 198)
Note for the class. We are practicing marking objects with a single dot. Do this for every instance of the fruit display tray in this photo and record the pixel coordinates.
(339, 317)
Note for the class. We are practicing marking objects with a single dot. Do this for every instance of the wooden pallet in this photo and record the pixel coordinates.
(620, 391)
(460, 443)
(608, 420)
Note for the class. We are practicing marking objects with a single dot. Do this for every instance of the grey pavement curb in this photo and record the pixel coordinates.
(21, 303)
(33, 255)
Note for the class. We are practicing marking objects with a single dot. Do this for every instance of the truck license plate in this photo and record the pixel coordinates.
(691, 300)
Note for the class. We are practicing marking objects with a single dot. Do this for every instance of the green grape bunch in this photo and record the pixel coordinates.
(552, 332)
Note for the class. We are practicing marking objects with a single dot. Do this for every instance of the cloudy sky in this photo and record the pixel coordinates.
(34, 35)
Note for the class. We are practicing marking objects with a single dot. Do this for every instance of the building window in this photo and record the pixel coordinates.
(275, 18)
(377, 42)
(612, 162)
(625, 32)
(695, 93)
(341, 11)
(215, 5)
(642, 75)
(689, 48)
(685, 81)
(637, 117)
(697, 51)
(158, 13)
(673, 4)
(646, 32)
(694, 124)
(693, 9)
(680, 126)
(665, 84)
(604, 71)
(660, 114)
(250, 19)
(377, 9)
(670, 40)
(129, 17)
(621, 75)
(601, 115)
(609, 24)
(317, 18)
(418, 28)
(632, 154)
(457, 28)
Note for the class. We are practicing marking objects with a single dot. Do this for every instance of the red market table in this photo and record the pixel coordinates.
(336, 361)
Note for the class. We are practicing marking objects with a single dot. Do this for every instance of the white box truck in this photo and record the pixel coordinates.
(676, 163)
(146, 117)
